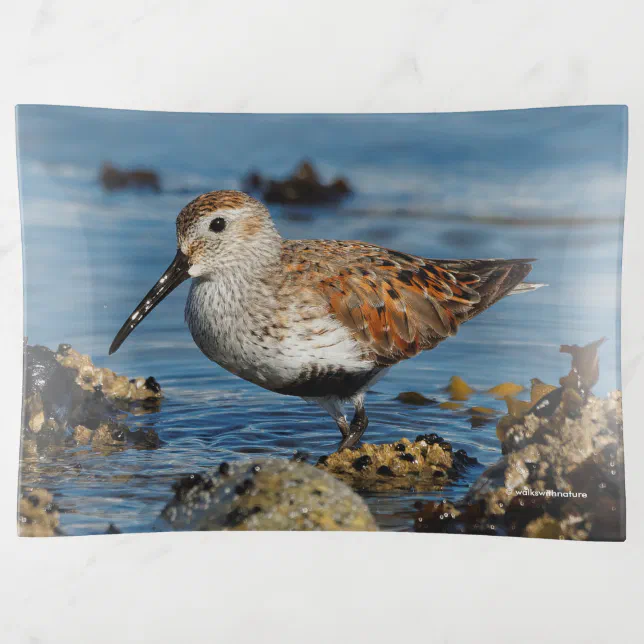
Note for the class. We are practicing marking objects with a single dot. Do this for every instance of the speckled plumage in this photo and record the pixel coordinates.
(319, 319)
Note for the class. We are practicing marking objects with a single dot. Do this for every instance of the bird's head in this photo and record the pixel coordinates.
(218, 233)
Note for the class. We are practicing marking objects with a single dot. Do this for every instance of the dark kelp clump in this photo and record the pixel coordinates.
(113, 179)
(562, 473)
(303, 187)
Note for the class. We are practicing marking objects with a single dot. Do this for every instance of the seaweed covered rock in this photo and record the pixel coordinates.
(62, 406)
(562, 473)
(426, 464)
(116, 388)
(303, 187)
(266, 494)
(37, 514)
(108, 436)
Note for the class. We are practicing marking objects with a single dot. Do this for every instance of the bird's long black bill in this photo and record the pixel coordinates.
(175, 274)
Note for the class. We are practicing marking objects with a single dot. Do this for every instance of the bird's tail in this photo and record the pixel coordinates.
(524, 287)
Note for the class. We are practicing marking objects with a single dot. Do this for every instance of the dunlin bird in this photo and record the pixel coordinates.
(319, 319)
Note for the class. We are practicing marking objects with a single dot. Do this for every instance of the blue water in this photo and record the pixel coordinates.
(421, 182)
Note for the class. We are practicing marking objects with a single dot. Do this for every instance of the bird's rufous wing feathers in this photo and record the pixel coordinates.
(396, 304)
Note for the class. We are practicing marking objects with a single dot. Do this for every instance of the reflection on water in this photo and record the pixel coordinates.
(89, 257)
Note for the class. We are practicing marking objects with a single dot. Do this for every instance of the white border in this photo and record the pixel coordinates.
(323, 57)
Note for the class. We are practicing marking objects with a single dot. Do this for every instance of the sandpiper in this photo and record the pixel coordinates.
(319, 319)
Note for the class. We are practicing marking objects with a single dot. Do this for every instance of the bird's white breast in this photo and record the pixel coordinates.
(242, 331)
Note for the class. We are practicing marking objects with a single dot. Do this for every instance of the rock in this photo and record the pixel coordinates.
(116, 388)
(426, 464)
(547, 527)
(112, 178)
(414, 398)
(52, 401)
(108, 435)
(300, 457)
(303, 187)
(562, 473)
(435, 515)
(37, 514)
(265, 494)
(82, 435)
(64, 403)
(118, 435)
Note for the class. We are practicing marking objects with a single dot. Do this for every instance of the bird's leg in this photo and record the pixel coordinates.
(333, 407)
(358, 425)
(343, 426)
(351, 433)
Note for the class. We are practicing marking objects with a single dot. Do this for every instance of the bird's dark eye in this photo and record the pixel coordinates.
(217, 224)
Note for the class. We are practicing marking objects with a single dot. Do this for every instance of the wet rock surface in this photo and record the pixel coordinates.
(425, 464)
(53, 400)
(37, 514)
(69, 402)
(303, 187)
(66, 413)
(562, 473)
(266, 494)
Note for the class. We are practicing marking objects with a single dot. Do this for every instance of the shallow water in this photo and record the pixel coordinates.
(90, 257)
